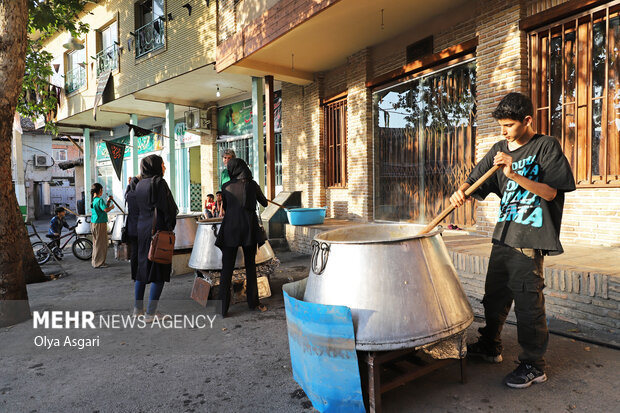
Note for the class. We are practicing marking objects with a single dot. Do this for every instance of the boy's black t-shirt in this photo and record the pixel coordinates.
(525, 219)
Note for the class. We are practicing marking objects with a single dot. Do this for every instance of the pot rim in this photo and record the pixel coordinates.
(319, 237)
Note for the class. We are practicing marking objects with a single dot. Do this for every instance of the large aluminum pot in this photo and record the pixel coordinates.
(206, 256)
(402, 288)
(119, 223)
(185, 231)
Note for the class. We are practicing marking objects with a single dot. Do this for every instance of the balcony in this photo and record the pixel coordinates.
(150, 37)
(107, 59)
(75, 79)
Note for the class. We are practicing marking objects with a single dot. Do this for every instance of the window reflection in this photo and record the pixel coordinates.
(424, 137)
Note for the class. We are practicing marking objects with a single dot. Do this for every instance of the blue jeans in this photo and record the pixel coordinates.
(156, 289)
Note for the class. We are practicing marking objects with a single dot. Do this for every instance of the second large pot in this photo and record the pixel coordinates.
(185, 231)
(402, 288)
(206, 256)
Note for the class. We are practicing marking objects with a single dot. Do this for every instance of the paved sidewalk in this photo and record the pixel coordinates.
(243, 363)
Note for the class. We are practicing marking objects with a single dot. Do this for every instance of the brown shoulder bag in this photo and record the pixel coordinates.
(162, 244)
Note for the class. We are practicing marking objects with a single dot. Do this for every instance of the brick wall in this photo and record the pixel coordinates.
(502, 67)
(592, 216)
(359, 137)
(301, 127)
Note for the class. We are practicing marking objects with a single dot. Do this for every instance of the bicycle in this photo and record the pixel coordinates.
(82, 248)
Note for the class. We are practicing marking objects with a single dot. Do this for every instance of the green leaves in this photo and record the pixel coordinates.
(46, 17)
(51, 16)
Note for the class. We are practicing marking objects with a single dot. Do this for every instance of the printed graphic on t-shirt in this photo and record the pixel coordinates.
(520, 205)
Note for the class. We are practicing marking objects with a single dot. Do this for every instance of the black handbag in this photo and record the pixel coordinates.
(261, 234)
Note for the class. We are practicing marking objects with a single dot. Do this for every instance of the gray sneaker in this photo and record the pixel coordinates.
(479, 350)
(524, 375)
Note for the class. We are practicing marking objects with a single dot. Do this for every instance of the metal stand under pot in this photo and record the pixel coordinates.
(206, 260)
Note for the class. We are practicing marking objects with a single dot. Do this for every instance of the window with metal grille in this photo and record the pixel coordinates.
(335, 143)
(575, 88)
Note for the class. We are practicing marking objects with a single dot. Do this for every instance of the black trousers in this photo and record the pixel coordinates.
(516, 274)
(229, 255)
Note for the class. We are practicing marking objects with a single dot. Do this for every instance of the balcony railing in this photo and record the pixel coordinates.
(107, 59)
(75, 79)
(151, 36)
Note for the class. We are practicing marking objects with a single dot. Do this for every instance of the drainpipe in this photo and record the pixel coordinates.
(133, 141)
(172, 163)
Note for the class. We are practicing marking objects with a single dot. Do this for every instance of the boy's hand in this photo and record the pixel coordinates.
(458, 198)
(504, 159)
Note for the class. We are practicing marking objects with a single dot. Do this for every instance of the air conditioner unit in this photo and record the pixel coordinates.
(197, 120)
(41, 161)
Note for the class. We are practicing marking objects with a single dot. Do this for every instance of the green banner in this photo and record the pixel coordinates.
(148, 143)
(236, 119)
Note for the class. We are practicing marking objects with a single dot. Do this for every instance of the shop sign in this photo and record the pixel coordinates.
(183, 137)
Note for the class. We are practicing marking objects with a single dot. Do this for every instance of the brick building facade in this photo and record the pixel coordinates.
(501, 65)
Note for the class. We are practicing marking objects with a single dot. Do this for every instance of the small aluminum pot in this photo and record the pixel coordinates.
(83, 228)
(119, 222)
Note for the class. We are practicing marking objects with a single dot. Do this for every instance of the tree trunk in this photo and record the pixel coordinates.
(14, 306)
(30, 267)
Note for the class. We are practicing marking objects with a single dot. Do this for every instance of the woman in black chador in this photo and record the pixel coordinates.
(152, 196)
(240, 229)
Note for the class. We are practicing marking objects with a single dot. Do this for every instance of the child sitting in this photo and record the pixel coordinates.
(208, 210)
(217, 206)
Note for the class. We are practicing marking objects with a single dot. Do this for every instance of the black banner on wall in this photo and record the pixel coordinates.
(117, 153)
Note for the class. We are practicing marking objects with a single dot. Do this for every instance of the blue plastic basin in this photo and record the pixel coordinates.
(306, 216)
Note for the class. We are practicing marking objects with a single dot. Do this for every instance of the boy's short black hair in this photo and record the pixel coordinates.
(58, 210)
(515, 106)
(218, 192)
(210, 195)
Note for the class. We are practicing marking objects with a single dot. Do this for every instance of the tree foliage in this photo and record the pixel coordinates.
(46, 18)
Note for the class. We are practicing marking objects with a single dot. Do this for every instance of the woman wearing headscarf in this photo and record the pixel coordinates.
(99, 225)
(131, 228)
(240, 229)
(154, 202)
